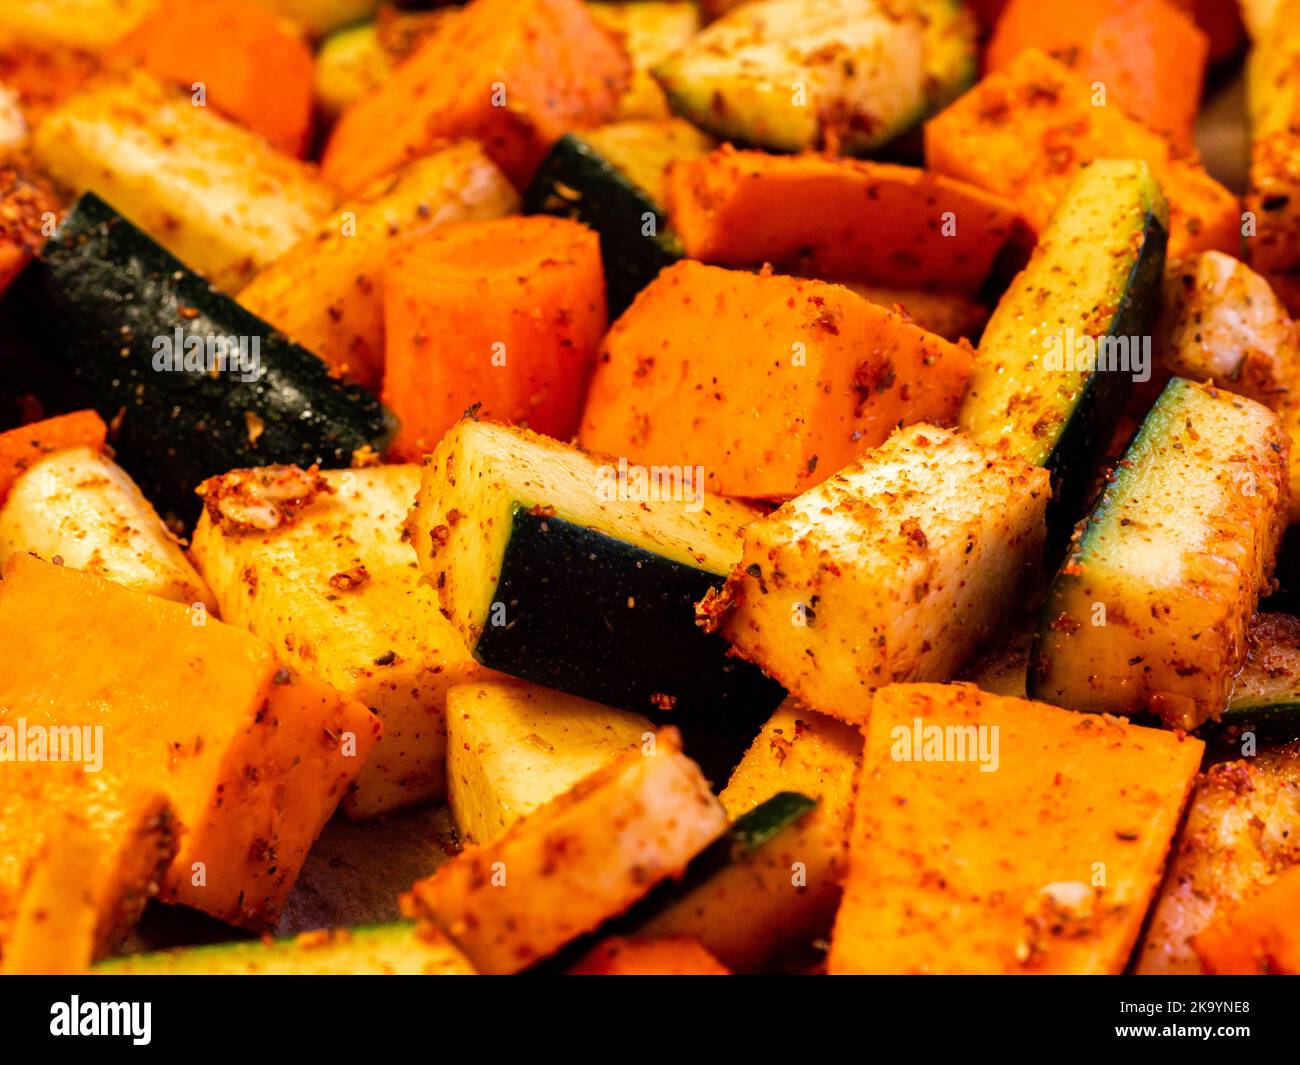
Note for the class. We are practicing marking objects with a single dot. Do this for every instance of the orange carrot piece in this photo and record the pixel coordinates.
(252, 757)
(1259, 937)
(839, 218)
(1149, 55)
(507, 313)
(1024, 131)
(512, 74)
(616, 956)
(771, 383)
(255, 69)
(19, 448)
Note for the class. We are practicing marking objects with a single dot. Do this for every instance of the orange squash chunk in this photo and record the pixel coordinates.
(838, 218)
(252, 757)
(996, 835)
(1261, 936)
(1025, 130)
(21, 447)
(511, 74)
(770, 383)
(617, 956)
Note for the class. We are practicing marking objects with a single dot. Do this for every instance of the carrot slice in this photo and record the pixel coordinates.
(617, 956)
(19, 448)
(1149, 55)
(873, 222)
(507, 313)
(512, 74)
(1024, 131)
(1260, 936)
(254, 68)
(770, 383)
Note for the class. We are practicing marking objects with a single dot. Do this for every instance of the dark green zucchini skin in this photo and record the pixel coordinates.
(743, 836)
(1273, 721)
(96, 298)
(567, 590)
(575, 181)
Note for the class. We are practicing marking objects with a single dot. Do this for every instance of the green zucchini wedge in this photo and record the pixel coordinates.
(611, 179)
(581, 574)
(1087, 299)
(797, 75)
(193, 384)
(1266, 693)
(1150, 610)
(398, 949)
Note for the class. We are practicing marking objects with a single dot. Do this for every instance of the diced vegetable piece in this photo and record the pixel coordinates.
(252, 67)
(1260, 936)
(321, 16)
(398, 949)
(777, 896)
(215, 195)
(1002, 668)
(951, 315)
(195, 384)
(22, 448)
(27, 206)
(794, 75)
(512, 74)
(1055, 827)
(326, 292)
(1066, 342)
(504, 315)
(42, 75)
(580, 859)
(1266, 693)
(91, 24)
(513, 747)
(1024, 132)
(1221, 322)
(79, 507)
(894, 569)
(825, 377)
(618, 956)
(252, 757)
(557, 568)
(613, 180)
(74, 878)
(1166, 571)
(332, 580)
(651, 30)
(1220, 21)
(1242, 830)
(838, 218)
(1149, 55)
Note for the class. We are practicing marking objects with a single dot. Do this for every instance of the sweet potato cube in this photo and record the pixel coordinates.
(503, 313)
(995, 835)
(511, 74)
(769, 383)
(252, 757)
(1261, 936)
(892, 570)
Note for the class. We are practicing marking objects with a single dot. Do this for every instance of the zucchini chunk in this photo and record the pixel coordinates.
(80, 507)
(1149, 610)
(252, 757)
(332, 580)
(794, 75)
(575, 862)
(327, 291)
(1242, 831)
(1092, 286)
(894, 569)
(555, 571)
(1054, 832)
(401, 948)
(651, 30)
(1266, 693)
(101, 285)
(773, 899)
(1220, 322)
(514, 747)
(612, 179)
(216, 196)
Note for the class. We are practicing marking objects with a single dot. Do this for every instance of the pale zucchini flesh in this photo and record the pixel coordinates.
(650, 30)
(78, 506)
(894, 569)
(1149, 610)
